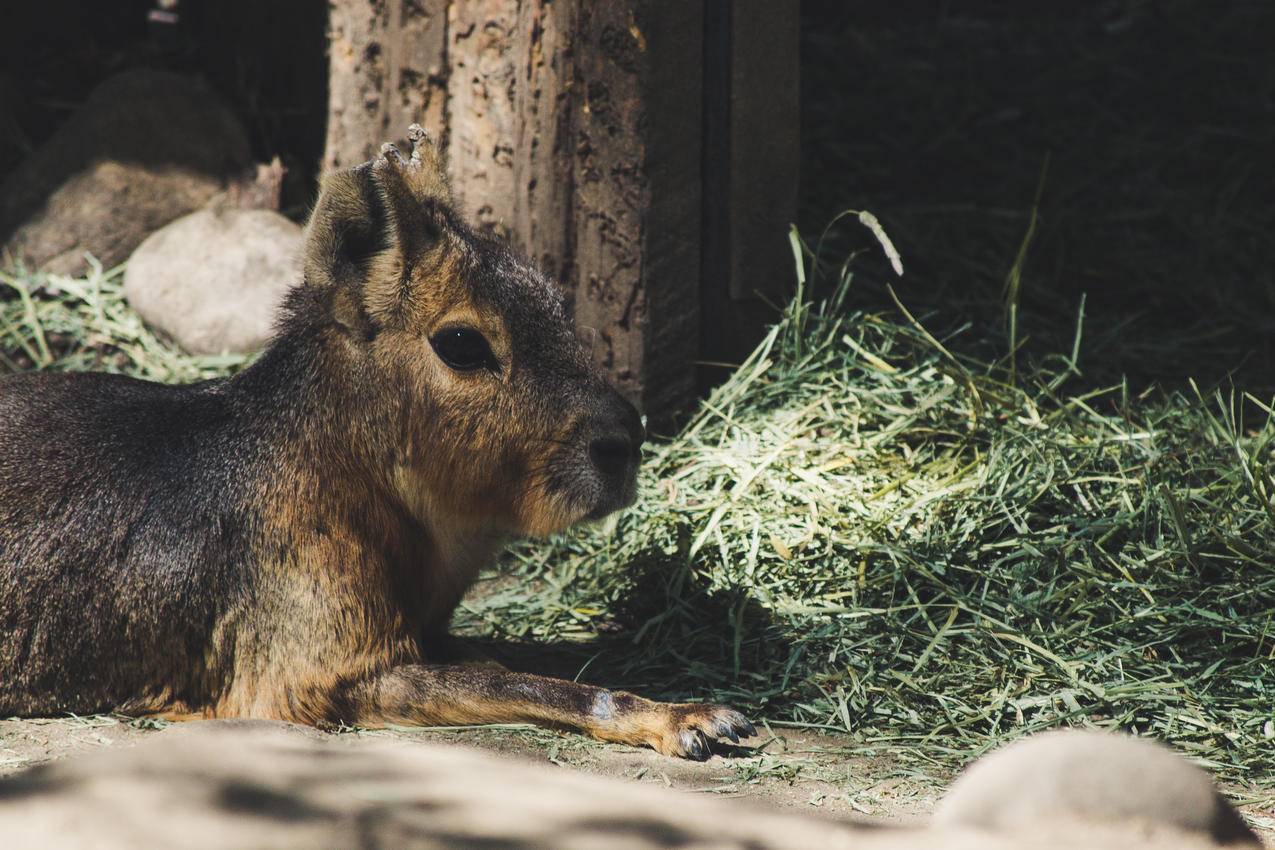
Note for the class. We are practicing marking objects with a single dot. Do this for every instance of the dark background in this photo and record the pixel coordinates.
(1156, 121)
(267, 58)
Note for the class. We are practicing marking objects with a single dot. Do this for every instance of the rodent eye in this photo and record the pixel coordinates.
(463, 349)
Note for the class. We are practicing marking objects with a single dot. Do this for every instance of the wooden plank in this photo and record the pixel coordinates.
(674, 235)
(752, 119)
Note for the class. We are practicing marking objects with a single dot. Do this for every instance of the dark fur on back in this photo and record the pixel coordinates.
(131, 518)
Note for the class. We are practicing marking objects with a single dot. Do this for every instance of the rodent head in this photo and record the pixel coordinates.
(500, 416)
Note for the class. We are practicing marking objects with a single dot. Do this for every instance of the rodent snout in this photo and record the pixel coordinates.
(616, 442)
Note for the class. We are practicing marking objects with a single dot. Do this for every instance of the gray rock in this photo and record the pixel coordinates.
(1092, 778)
(213, 280)
(144, 149)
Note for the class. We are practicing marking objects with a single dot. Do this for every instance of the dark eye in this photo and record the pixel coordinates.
(463, 349)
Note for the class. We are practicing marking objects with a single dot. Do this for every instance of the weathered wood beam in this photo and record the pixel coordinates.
(387, 69)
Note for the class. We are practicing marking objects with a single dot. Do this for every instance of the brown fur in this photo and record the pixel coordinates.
(290, 543)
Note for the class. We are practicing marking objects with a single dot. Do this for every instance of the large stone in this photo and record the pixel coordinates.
(1094, 778)
(144, 149)
(213, 280)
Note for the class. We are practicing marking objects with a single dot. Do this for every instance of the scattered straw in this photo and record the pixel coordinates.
(75, 324)
(865, 531)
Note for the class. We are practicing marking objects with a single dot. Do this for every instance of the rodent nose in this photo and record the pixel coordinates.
(611, 454)
(619, 442)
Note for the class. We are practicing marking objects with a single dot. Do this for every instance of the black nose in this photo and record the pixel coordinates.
(617, 441)
(610, 454)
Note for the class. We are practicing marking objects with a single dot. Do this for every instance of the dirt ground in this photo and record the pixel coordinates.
(787, 769)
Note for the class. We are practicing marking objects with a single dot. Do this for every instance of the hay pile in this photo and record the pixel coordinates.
(864, 531)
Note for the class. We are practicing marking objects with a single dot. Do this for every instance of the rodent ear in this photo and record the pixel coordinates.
(420, 178)
(415, 195)
(371, 226)
(348, 230)
(414, 190)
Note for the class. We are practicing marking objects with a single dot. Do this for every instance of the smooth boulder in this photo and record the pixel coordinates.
(260, 784)
(214, 279)
(1095, 778)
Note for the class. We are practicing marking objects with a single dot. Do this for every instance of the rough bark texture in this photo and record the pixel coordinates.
(554, 125)
(544, 146)
(483, 47)
(575, 128)
(612, 190)
(388, 69)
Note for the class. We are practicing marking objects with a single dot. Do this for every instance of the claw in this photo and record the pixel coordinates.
(695, 744)
(725, 728)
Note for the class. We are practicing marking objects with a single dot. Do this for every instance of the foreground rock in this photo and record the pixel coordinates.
(1091, 777)
(249, 784)
(213, 280)
(144, 149)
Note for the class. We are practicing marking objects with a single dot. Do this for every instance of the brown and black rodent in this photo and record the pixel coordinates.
(289, 543)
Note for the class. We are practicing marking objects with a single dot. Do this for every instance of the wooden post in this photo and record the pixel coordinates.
(577, 129)
(637, 193)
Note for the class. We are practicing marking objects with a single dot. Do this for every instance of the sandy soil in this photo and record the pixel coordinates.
(787, 769)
